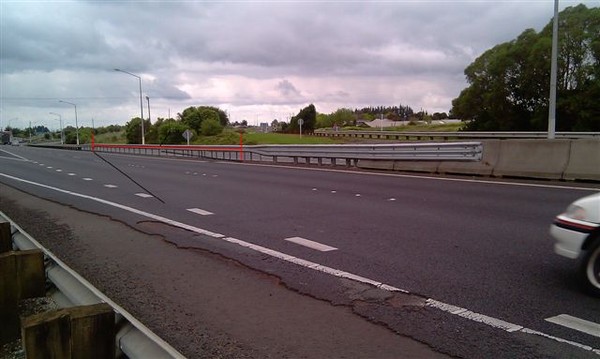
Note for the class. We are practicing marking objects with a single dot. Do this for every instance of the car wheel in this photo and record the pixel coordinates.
(590, 268)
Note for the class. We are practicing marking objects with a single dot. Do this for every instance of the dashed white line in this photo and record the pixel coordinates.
(582, 325)
(391, 199)
(59, 170)
(49, 167)
(200, 211)
(493, 322)
(310, 244)
(71, 174)
(87, 179)
(144, 195)
(110, 186)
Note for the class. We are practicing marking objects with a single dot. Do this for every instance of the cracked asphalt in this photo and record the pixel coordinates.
(207, 305)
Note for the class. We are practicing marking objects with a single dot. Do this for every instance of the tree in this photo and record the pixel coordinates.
(171, 132)
(509, 84)
(309, 119)
(193, 116)
(133, 130)
(211, 127)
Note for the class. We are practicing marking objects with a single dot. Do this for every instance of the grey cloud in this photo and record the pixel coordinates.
(287, 89)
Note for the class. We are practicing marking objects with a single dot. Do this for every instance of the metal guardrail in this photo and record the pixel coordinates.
(447, 151)
(133, 338)
(451, 151)
(399, 135)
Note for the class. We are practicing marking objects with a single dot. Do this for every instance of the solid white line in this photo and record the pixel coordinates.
(310, 244)
(143, 195)
(19, 158)
(496, 323)
(120, 206)
(578, 324)
(424, 177)
(200, 211)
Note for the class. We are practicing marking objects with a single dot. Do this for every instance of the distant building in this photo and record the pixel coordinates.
(264, 127)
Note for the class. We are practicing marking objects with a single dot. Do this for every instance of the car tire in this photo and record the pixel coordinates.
(589, 271)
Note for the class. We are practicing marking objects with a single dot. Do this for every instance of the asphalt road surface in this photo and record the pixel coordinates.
(462, 265)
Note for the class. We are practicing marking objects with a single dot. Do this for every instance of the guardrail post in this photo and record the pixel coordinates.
(21, 276)
(5, 237)
(76, 332)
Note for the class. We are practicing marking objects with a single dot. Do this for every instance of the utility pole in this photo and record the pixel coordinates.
(553, 70)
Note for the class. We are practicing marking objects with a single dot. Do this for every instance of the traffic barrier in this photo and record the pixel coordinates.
(70, 291)
(584, 161)
(568, 159)
(545, 159)
(485, 167)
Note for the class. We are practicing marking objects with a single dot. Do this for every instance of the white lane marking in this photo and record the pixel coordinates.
(58, 170)
(110, 186)
(357, 195)
(200, 211)
(310, 244)
(49, 167)
(333, 191)
(71, 174)
(19, 158)
(496, 323)
(120, 206)
(578, 324)
(143, 195)
(391, 199)
(517, 184)
(314, 189)
(87, 179)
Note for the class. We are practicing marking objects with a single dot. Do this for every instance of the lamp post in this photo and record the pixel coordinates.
(141, 102)
(148, 99)
(62, 133)
(76, 125)
(553, 70)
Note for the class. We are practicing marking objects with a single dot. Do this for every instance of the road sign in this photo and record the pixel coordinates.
(187, 134)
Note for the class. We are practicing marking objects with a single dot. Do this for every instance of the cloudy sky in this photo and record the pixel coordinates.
(258, 60)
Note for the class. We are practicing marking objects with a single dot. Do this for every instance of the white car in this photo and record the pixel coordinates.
(577, 235)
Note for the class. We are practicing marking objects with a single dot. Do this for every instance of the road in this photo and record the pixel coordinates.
(465, 266)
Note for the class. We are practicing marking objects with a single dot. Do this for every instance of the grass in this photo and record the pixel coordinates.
(258, 138)
(231, 137)
(111, 137)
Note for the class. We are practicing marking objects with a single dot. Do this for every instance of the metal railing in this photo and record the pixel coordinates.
(432, 135)
(133, 338)
(322, 154)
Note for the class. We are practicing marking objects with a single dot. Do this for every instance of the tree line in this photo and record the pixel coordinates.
(509, 85)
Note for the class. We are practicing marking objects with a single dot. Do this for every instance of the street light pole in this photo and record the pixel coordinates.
(141, 102)
(62, 133)
(76, 124)
(553, 70)
(148, 99)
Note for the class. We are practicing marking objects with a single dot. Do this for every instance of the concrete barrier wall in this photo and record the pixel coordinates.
(584, 161)
(546, 159)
